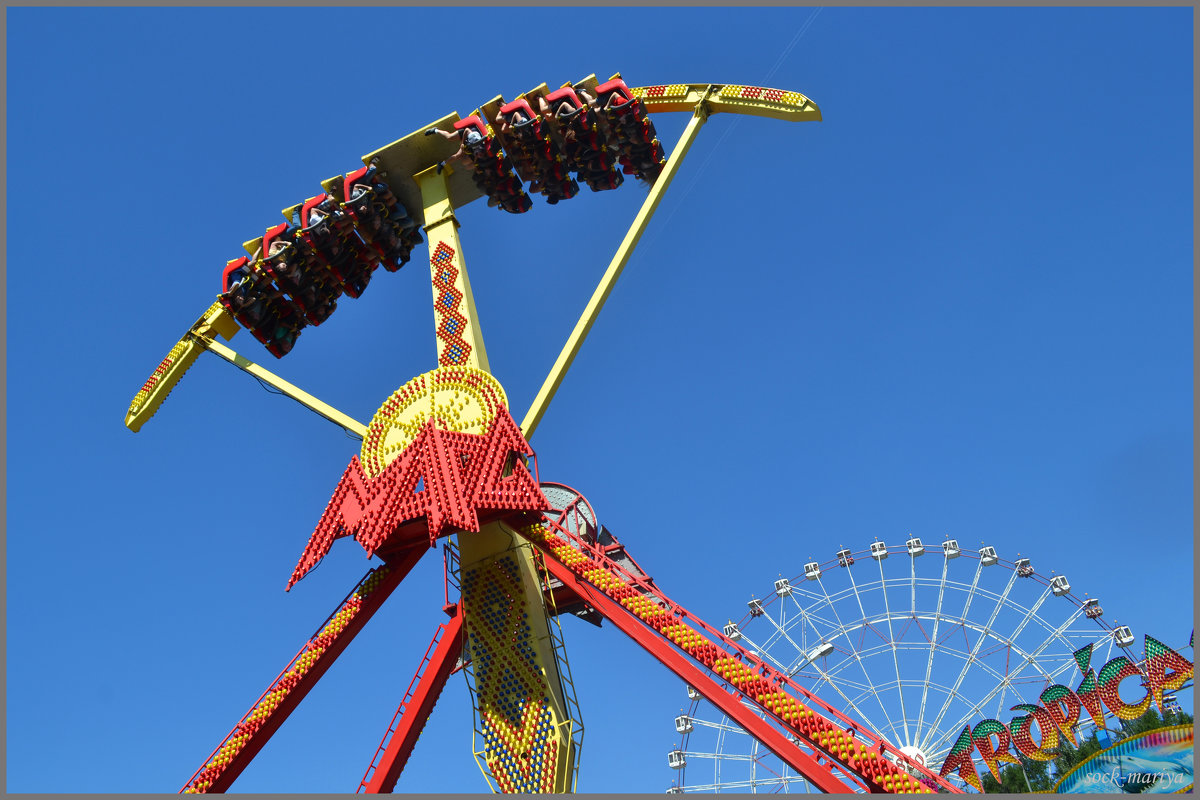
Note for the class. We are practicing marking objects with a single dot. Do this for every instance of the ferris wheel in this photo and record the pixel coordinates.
(913, 641)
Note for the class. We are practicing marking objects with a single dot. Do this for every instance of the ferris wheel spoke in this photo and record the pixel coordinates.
(1030, 659)
(978, 643)
(1030, 615)
(722, 756)
(895, 656)
(843, 630)
(781, 634)
(864, 689)
(858, 599)
(912, 560)
(721, 726)
(937, 619)
(866, 640)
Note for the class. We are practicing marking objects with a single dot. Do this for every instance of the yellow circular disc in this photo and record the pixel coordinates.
(458, 399)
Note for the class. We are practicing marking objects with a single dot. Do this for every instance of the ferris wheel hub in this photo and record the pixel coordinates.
(915, 753)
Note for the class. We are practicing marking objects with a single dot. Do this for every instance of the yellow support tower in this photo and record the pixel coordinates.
(527, 729)
(530, 741)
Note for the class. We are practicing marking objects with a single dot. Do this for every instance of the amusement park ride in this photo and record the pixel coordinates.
(443, 460)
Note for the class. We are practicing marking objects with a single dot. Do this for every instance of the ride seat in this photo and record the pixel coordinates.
(475, 122)
(270, 236)
(520, 104)
(609, 88)
(356, 177)
(566, 93)
(230, 268)
(308, 206)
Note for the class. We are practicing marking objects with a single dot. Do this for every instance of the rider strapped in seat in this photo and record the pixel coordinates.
(615, 99)
(585, 150)
(535, 154)
(329, 231)
(641, 153)
(491, 169)
(259, 307)
(380, 217)
(299, 272)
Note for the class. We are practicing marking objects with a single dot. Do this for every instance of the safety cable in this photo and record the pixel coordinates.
(272, 390)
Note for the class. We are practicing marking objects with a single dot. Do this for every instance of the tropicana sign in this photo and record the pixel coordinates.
(1165, 671)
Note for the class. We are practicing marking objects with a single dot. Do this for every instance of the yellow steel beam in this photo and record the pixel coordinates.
(619, 259)
(216, 320)
(200, 337)
(299, 395)
(529, 726)
(455, 320)
(757, 101)
(401, 163)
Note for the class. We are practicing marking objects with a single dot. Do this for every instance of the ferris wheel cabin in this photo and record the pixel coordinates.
(1123, 636)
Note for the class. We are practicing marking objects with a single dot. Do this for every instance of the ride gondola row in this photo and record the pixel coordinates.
(599, 138)
(332, 243)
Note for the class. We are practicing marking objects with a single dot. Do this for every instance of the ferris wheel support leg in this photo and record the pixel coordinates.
(415, 708)
(256, 727)
(605, 287)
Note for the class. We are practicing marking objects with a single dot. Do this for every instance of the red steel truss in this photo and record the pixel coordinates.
(257, 726)
(414, 710)
(832, 752)
(725, 673)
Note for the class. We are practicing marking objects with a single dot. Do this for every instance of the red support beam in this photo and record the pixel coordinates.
(678, 639)
(255, 729)
(817, 773)
(414, 710)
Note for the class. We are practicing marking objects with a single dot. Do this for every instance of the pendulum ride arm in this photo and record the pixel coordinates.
(609, 279)
(726, 674)
(702, 100)
(247, 738)
(492, 568)
(456, 322)
(414, 710)
(200, 337)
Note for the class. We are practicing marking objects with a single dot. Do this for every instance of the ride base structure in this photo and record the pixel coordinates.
(443, 461)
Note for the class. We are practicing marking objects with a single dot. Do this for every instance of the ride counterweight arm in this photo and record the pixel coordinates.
(255, 729)
(686, 644)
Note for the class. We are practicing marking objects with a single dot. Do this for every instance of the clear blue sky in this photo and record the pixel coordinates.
(960, 305)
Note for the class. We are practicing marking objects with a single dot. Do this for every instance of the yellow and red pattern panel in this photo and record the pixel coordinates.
(454, 349)
(177, 362)
(753, 100)
(526, 743)
(855, 753)
(349, 617)
(172, 368)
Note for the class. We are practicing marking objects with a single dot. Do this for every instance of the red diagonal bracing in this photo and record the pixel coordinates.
(414, 710)
(819, 775)
(725, 674)
(255, 729)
